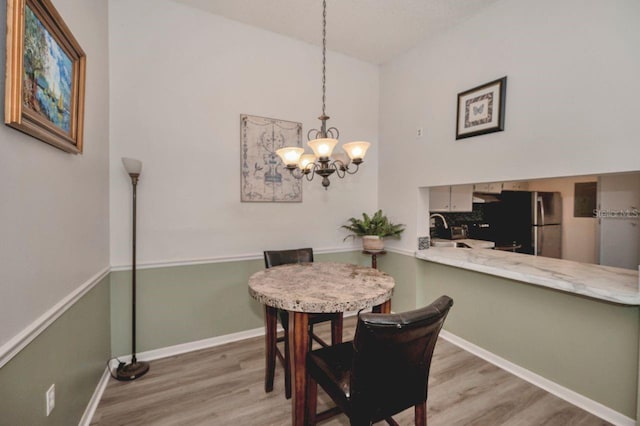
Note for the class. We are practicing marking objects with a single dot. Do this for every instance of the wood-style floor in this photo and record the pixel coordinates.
(225, 386)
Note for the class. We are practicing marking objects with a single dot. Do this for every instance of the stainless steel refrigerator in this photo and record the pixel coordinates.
(546, 228)
(530, 221)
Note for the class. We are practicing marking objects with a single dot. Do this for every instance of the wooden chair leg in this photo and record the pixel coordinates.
(311, 402)
(336, 329)
(271, 330)
(287, 367)
(421, 414)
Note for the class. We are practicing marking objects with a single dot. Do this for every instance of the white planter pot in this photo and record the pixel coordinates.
(372, 243)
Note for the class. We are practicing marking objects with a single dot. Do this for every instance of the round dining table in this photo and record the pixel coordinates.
(317, 287)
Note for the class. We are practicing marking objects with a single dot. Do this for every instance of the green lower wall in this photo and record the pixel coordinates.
(588, 346)
(72, 353)
(183, 304)
(403, 269)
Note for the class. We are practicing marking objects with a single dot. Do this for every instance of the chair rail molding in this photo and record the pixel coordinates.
(28, 334)
(220, 259)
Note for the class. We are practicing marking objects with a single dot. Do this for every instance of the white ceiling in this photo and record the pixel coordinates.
(371, 30)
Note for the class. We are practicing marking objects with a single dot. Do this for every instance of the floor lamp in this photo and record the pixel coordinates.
(135, 368)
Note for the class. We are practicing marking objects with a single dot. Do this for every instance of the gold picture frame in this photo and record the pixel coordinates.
(45, 75)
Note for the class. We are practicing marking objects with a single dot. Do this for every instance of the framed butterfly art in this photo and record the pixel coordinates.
(481, 109)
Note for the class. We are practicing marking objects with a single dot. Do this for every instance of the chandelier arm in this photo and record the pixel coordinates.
(310, 132)
(299, 175)
(312, 172)
(331, 130)
(340, 168)
(349, 170)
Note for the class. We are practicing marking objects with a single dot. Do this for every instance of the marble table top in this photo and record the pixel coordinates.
(599, 282)
(321, 287)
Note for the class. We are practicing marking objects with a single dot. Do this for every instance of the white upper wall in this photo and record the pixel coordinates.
(54, 224)
(180, 79)
(572, 69)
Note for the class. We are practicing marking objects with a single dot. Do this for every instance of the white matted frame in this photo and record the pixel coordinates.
(481, 109)
(263, 176)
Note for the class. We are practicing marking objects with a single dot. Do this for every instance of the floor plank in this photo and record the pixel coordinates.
(225, 386)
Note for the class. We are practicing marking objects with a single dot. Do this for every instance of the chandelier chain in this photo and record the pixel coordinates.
(324, 54)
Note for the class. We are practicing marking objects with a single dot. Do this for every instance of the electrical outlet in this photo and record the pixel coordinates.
(419, 132)
(51, 398)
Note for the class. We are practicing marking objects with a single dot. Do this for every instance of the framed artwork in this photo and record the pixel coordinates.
(481, 109)
(45, 75)
(263, 176)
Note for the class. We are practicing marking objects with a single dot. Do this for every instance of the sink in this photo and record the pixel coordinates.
(448, 244)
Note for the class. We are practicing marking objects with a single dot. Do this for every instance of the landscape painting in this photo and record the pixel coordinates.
(47, 76)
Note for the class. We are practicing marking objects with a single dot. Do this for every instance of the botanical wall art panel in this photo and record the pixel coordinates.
(45, 75)
(263, 176)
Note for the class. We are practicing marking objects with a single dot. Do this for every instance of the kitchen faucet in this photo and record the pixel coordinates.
(444, 221)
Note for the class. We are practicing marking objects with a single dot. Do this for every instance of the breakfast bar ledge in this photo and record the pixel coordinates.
(606, 283)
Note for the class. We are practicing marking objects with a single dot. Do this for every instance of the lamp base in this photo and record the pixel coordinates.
(132, 371)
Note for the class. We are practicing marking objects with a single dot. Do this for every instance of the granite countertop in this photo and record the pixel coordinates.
(599, 282)
(321, 287)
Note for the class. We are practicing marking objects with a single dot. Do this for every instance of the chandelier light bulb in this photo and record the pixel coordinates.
(323, 148)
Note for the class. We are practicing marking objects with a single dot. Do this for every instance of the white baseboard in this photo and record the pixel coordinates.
(199, 344)
(568, 395)
(191, 346)
(95, 399)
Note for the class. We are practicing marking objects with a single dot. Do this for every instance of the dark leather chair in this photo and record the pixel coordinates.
(283, 257)
(384, 371)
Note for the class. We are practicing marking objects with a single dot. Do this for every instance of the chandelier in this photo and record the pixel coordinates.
(323, 161)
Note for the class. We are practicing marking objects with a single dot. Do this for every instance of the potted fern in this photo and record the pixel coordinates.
(372, 230)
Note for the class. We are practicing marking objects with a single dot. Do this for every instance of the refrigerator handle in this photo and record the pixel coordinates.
(540, 242)
(541, 210)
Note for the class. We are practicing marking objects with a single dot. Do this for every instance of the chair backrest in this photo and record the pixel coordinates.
(393, 352)
(283, 257)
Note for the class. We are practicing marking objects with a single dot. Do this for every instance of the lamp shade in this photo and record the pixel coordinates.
(290, 155)
(356, 150)
(323, 148)
(132, 166)
(306, 160)
(341, 157)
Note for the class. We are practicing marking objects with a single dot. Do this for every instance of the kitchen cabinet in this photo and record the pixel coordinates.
(488, 188)
(515, 186)
(456, 198)
(498, 187)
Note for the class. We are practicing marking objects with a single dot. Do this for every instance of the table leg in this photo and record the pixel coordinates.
(298, 346)
(271, 325)
(383, 308)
